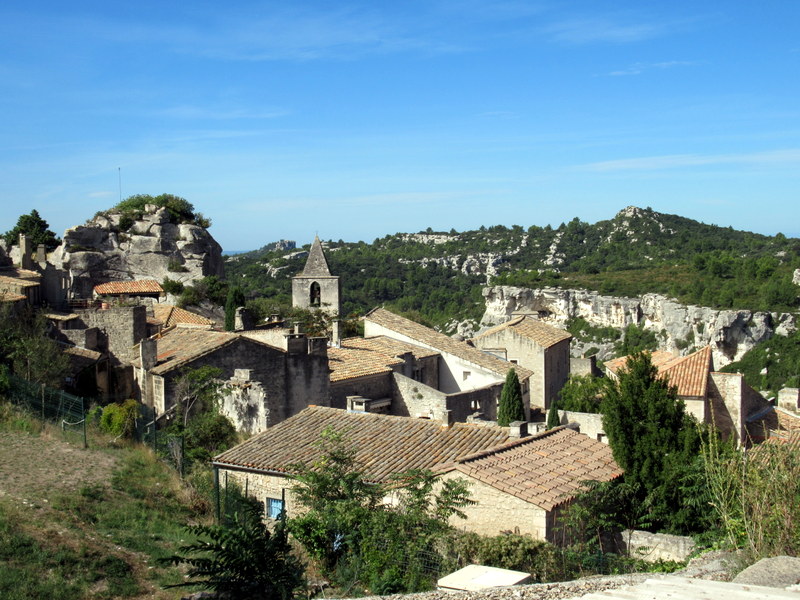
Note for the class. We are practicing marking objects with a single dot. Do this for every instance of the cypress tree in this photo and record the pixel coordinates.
(234, 300)
(552, 416)
(511, 407)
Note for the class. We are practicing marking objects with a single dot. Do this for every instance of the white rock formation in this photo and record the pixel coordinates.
(153, 248)
(679, 328)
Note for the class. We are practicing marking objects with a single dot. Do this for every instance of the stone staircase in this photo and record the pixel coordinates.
(681, 588)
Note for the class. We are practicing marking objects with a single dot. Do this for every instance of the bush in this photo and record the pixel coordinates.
(173, 287)
(119, 419)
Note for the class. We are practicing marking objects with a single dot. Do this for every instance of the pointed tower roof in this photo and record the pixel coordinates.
(316, 265)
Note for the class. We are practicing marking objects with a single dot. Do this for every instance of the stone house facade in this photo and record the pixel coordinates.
(526, 483)
(537, 346)
(462, 368)
(263, 385)
(384, 446)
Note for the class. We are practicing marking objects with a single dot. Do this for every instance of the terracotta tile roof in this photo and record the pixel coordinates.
(543, 334)
(443, 343)
(173, 315)
(11, 297)
(181, 346)
(385, 445)
(81, 358)
(351, 363)
(688, 373)
(546, 469)
(17, 282)
(388, 346)
(142, 286)
(60, 316)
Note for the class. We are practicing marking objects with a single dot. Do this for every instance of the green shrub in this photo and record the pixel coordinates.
(119, 419)
(175, 266)
(173, 287)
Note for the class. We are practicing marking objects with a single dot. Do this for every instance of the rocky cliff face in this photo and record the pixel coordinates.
(152, 248)
(678, 327)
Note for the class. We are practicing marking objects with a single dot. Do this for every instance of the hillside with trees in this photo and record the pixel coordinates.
(437, 277)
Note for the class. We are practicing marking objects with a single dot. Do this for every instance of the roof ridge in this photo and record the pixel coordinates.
(316, 264)
(510, 444)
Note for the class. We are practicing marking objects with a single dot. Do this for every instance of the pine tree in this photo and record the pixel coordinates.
(36, 229)
(511, 406)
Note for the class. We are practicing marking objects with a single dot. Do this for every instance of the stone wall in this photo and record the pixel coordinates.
(653, 547)
(370, 386)
(283, 383)
(789, 398)
(496, 512)
(590, 424)
(262, 486)
(121, 328)
(411, 398)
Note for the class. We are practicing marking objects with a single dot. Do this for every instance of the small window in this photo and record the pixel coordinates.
(466, 375)
(274, 508)
(513, 361)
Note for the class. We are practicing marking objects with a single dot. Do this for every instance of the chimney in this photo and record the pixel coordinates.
(318, 346)
(518, 429)
(296, 343)
(147, 353)
(25, 252)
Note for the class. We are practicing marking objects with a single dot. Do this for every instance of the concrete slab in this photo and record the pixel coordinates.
(474, 578)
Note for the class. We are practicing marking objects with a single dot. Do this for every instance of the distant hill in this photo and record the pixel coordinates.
(438, 277)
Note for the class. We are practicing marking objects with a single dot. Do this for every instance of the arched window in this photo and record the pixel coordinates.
(314, 295)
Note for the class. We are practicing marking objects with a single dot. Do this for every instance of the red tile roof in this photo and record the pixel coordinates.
(181, 346)
(547, 469)
(443, 343)
(142, 286)
(688, 373)
(389, 346)
(350, 363)
(173, 315)
(526, 326)
(385, 445)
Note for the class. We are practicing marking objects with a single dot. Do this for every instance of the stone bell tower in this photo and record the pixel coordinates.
(315, 287)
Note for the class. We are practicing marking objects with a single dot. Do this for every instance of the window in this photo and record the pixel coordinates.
(314, 294)
(466, 375)
(274, 508)
(513, 361)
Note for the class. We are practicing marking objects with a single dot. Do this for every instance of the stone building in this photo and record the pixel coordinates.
(722, 399)
(263, 385)
(464, 372)
(537, 346)
(315, 287)
(526, 483)
(385, 445)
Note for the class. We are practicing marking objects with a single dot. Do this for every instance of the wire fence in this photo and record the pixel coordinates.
(55, 406)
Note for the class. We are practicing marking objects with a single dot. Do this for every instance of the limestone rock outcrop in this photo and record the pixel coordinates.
(151, 248)
(678, 327)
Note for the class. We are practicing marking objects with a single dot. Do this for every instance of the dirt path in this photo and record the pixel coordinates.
(35, 468)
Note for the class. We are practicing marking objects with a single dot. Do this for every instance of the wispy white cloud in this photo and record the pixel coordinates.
(601, 29)
(640, 67)
(197, 112)
(656, 163)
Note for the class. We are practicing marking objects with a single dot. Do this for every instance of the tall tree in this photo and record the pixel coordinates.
(552, 416)
(234, 300)
(511, 406)
(36, 229)
(651, 438)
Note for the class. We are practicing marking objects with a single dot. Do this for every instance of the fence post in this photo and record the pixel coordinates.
(216, 492)
(83, 410)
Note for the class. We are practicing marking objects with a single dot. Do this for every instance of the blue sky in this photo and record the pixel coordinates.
(356, 120)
